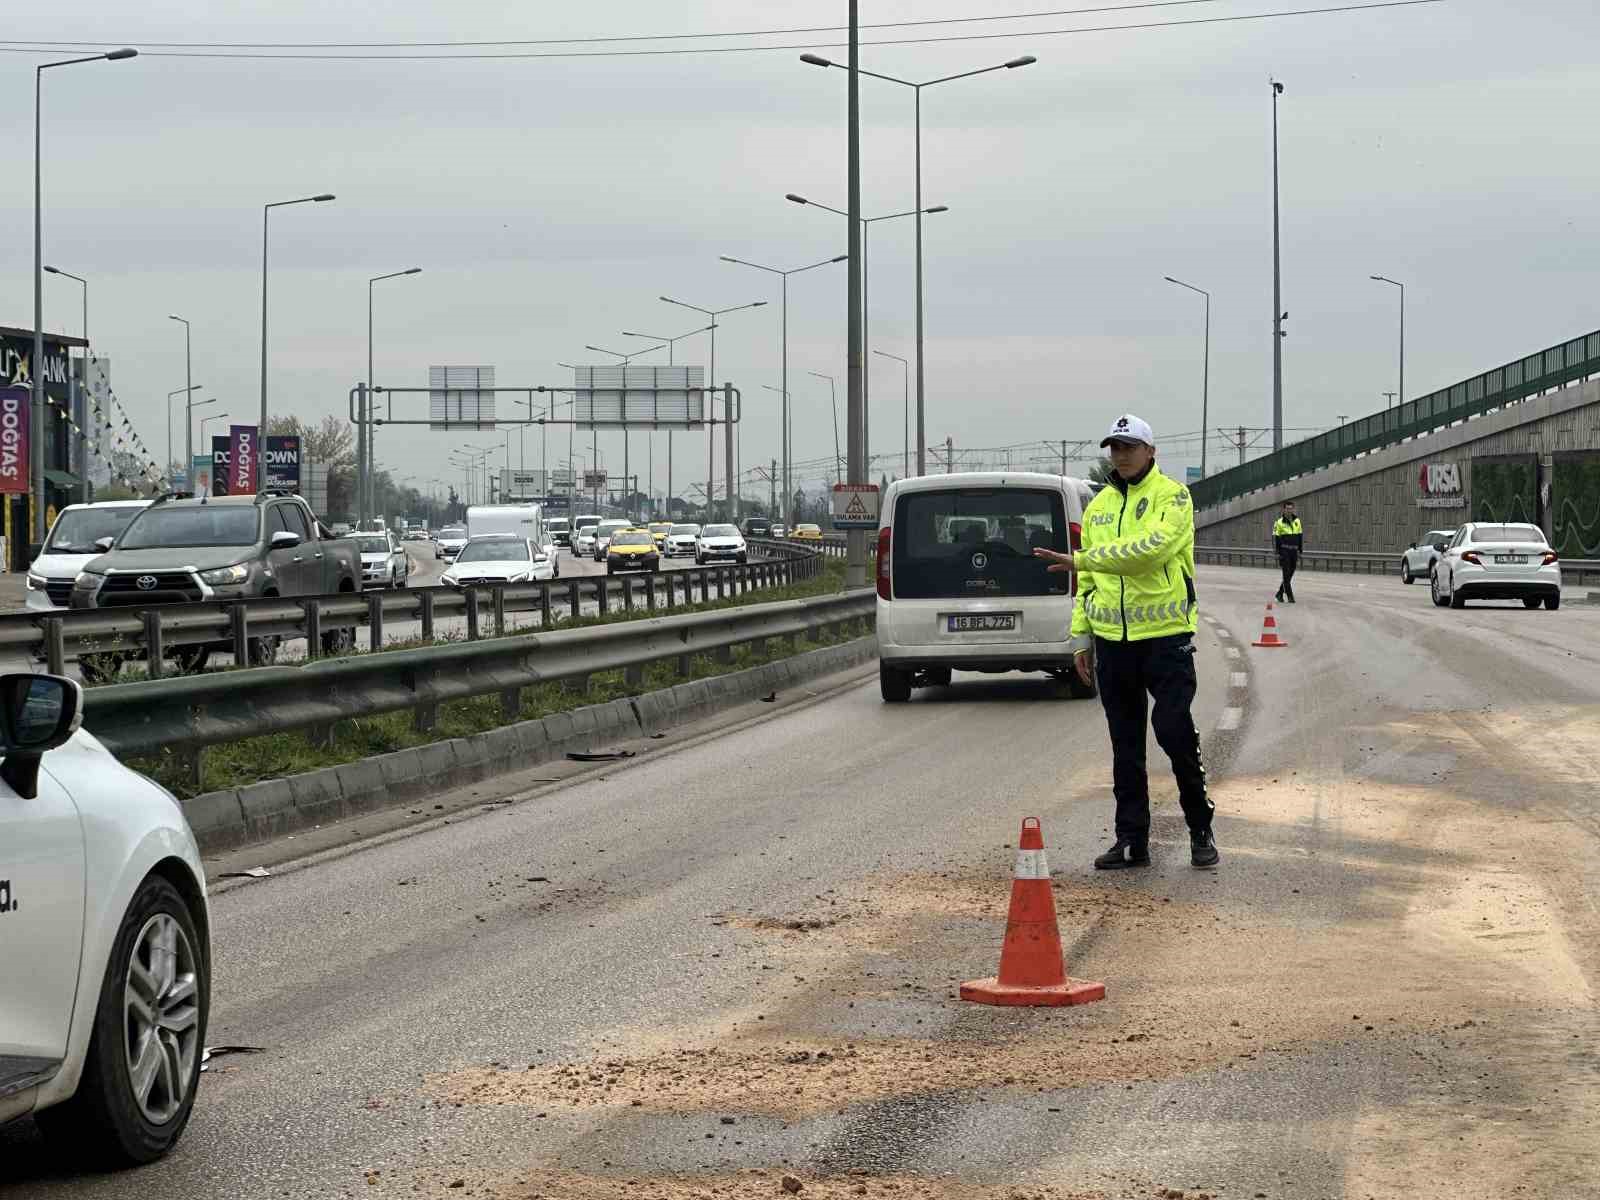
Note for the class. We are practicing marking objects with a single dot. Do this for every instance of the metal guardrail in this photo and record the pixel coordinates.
(1556, 367)
(152, 631)
(1573, 570)
(184, 715)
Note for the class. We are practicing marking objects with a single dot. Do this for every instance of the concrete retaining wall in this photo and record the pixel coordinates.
(236, 817)
(1371, 504)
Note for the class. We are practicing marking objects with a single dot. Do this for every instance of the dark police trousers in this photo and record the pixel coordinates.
(1163, 667)
(1288, 559)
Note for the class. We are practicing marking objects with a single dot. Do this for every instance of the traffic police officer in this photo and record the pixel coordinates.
(1287, 536)
(1133, 628)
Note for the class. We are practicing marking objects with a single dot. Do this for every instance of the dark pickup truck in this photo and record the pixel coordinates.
(220, 548)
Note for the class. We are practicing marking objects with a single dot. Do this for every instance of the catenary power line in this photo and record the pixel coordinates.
(918, 41)
(646, 37)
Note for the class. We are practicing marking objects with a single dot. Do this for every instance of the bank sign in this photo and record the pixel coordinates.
(1440, 486)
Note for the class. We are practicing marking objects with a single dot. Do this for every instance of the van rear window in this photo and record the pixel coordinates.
(977, 542)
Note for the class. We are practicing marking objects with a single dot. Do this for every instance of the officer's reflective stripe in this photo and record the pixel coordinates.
(1031, 865)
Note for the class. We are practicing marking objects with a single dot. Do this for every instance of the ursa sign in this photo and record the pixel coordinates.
(1441, 486)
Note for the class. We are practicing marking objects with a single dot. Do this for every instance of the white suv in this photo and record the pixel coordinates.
(719, 543)
(105, 957)
(1417, 562)
(958, 586)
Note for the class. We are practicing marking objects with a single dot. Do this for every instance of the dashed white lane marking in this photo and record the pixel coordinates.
(1223, 633)
(1230, 718)
(1231, 651)
(1239, 679)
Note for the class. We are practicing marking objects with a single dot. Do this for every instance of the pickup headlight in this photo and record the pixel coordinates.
(237, 573)
(35, 582)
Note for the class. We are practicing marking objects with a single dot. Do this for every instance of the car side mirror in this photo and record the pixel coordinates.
(284, 540)
(37, 713)
(1439, 546)
(104, 544)
(1413, 546)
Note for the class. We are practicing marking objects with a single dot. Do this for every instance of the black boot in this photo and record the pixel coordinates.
(1203, 848)
(1124, 854)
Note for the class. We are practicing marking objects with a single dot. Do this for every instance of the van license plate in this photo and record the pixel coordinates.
(980, 622)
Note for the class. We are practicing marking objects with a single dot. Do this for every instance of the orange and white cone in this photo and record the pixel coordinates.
(1269, 631)
(1031, 971)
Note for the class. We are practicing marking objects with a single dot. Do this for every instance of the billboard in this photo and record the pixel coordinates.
(454, 398)
(219, 464)
(283, 463)
(14, 403)
(200, 472)
(522, 483)
(639, 397)
(242, 460)
(593, 480)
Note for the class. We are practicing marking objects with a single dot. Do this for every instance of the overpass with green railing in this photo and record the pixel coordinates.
(1560, 365)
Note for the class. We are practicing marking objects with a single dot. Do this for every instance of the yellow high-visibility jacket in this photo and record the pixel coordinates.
(1136, 567)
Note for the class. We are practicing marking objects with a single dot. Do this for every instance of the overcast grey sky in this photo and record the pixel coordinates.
(550, 201)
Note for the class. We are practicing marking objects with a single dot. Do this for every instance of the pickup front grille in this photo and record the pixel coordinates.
(170, 587)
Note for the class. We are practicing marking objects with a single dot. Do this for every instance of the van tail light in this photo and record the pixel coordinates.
(1077, 535)
(1472, 556)
(883, 563)
(1550, 556)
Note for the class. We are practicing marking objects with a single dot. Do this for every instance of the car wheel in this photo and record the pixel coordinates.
(555, 571)
(338, 641)
(1433, 590)
(143, 1064)
(99, 668)
(894, 685)
(263, 651)
(1405, 571)
(191, 660)
(1552, 602)
(1457, 598)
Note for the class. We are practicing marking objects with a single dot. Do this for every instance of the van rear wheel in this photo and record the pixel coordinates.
(894, 685)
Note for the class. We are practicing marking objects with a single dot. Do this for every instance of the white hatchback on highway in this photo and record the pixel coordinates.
(1417, 562)
(105, 956)
(958, 586)
(1494, 560)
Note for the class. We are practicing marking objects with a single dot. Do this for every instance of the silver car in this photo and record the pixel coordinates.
(1498, 560)
(1417, 562)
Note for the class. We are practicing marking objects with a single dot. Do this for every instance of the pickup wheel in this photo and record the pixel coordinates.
(263, 651)
(338, 641)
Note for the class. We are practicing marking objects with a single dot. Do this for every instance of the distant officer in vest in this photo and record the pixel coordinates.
(1287, 536)
(1133, 631)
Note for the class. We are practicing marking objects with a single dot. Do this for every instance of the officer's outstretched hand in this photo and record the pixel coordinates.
(1057, 560)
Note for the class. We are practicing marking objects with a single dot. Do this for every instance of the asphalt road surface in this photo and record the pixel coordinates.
(735, 957)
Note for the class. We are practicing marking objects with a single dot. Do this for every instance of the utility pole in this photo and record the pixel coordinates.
(949, 456)
(1241, 444)
(856, 541)
(1063, 456)
(773, 480)
(1277, 290)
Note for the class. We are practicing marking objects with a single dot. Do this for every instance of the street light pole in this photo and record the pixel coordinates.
(727, 403)
(261, 426)
(36, 371)
(188, 414)
(1402, 287)
(866, 311)
(783, 389)
(906, 373)
(916, 87)
(83, 448)
(366, 443)
(188, 407)
(833, 397)
(1277, 287)
(1205, 375)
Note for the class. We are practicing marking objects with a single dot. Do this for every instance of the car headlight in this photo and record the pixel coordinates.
(237, 573)
(86, 581)
(35, 582)
(521, 577)
(448, 580)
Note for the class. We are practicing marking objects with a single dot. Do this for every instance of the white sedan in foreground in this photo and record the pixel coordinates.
(719, 543)
(1493, 560)
(105, 955)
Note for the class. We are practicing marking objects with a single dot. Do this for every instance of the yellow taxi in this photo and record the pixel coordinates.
(807, 533)
(632, 550)
(659, 531)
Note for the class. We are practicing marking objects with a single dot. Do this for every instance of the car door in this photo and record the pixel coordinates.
(1447, 560)
(297, 572)
(41, 927)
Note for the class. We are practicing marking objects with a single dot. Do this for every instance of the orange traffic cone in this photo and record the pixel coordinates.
(1031, 970)
(1269, 631)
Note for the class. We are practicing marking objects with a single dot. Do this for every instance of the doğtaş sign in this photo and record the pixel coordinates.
(14, 403)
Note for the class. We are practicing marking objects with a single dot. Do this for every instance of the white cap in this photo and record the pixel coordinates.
(1130, 428)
